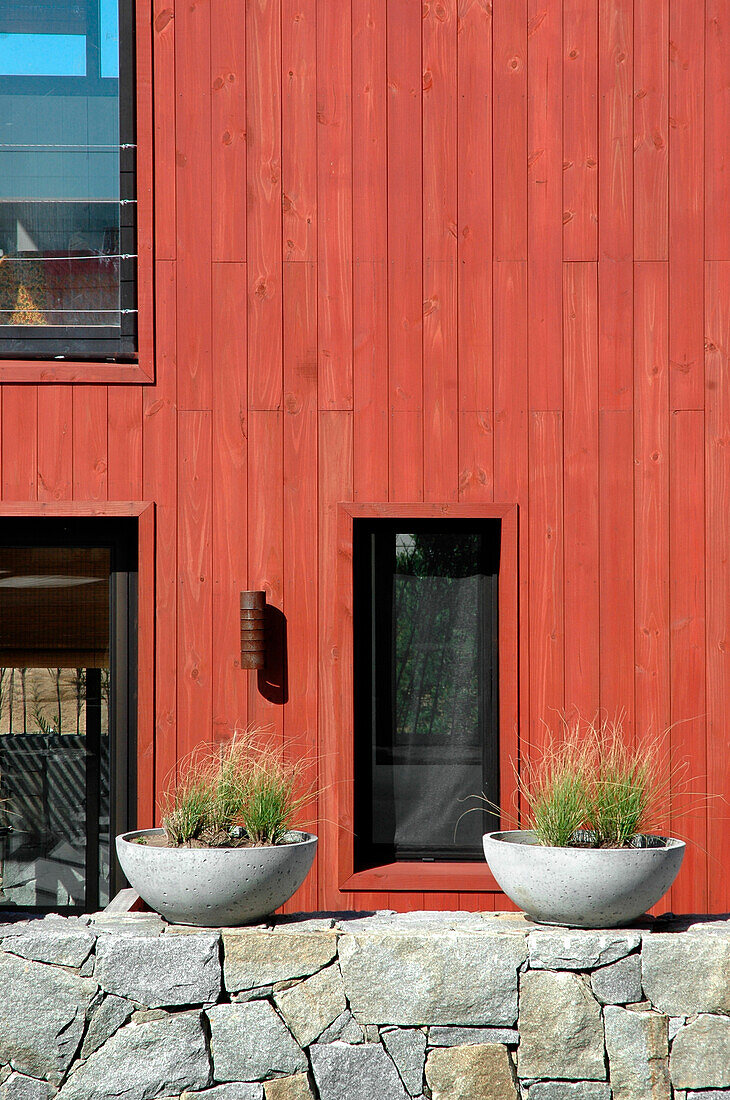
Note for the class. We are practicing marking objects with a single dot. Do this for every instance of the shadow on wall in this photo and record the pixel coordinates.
(273, 679)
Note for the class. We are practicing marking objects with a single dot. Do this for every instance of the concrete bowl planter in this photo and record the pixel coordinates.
(214, 887)
(581, 887)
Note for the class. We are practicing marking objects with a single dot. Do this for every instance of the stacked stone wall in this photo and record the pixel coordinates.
(447, 1006)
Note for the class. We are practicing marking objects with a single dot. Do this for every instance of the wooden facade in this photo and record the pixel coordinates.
(451, 252)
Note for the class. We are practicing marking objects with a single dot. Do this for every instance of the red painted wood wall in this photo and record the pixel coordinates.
(456, 250)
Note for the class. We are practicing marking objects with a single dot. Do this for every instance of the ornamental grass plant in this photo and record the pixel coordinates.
(240, 793)
(593, 787)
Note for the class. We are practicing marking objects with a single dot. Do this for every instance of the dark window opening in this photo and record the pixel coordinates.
(67, 180)
(68, 592)
(426, 706)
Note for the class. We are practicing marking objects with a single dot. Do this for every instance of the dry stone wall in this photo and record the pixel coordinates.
(447, 1006)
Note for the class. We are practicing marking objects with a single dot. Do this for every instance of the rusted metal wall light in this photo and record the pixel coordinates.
(253, 630)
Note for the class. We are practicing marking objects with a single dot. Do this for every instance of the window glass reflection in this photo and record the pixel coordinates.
(60, 255)
(54, 727)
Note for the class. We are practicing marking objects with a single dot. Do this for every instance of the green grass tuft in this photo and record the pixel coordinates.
(238, 793)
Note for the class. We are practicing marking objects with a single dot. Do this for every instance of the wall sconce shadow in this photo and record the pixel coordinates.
(273, 678)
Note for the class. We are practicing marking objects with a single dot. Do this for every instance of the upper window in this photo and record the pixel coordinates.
(426, 707)
(67, 209)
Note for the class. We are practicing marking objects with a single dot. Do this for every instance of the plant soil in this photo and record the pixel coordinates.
(163, 842)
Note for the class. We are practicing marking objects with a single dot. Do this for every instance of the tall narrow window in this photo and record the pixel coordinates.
(67, 223)
(67, 608)
(426, 713)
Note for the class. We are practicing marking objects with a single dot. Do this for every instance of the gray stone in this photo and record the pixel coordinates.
(564, 1090)
(164, 970)
(706, 1094)
(259, 994)
(700, 1057)
(297, 1087)
(20, 1087)
(142, 1061)
(619, 983)
(432, 978)
(42, 1016)
(304, 922)
(312, 1005)
(346, 1072)
(250, 1042)
(407, 1048)
(61, 946)
(686, 974)
(232, 1090)
(676, 1023)
(86, 970)
(131, 924)
(638, 1050)
(578, 949)
(257, 958)
(345, 1027)
(427, 921)
(465, 1073)
(105, 1019)
(561, 1030)
(463, 1036)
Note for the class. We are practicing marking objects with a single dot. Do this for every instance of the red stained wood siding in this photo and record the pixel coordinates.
(461, 253)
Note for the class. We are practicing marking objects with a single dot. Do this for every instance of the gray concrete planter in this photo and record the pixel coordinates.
(579, 887)
(214, 887)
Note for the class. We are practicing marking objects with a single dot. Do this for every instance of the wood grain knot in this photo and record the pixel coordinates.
(165, 17)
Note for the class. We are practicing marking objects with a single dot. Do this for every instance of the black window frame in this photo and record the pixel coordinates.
(372, 649)
(96, 343)
(121, 536)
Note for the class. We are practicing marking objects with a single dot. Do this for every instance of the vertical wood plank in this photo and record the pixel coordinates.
(334, 201)
(717, 533)
(474, 250)
(90, 443)
(124, 432)
(615, 129)
(55, 442)
(512, 439)
(717, 130)
(263, 175)
(335, 651)
(509, 142)
(266, 550)
(194, 583)
(651, 124)
(228, 131)
(230, 492)
(405, 283)
(547, 581)
(686, 203)
(616, 550)
(370, 250)
(651, 499)
(145, 777)
(440, 198)
(159, 469)
(581, 488)
(164, 126)
(300, 534)
(193, 204)
(616, 334)
(299, 129)
(687, 653)
(580, 130)
(545, 204)
(19, 442)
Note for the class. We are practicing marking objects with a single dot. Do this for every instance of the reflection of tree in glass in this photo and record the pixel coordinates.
(435, 639)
